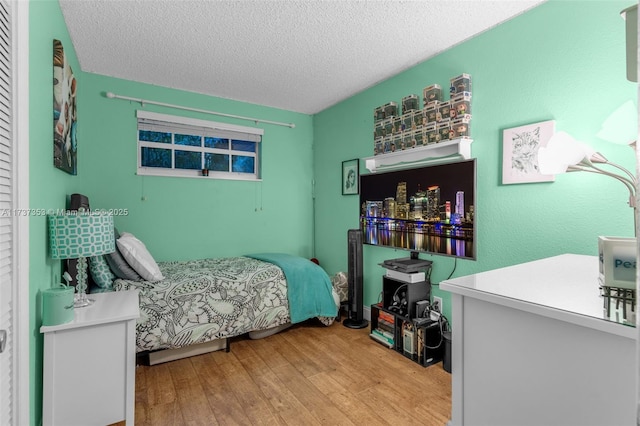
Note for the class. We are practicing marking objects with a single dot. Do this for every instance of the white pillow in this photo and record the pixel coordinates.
(138, 257)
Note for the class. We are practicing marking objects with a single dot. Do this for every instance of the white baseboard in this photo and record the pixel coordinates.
(366, 312)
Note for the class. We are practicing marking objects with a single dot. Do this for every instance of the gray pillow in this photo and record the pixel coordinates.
(120, 267)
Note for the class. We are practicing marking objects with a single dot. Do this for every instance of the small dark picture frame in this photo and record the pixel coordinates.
(351, 177)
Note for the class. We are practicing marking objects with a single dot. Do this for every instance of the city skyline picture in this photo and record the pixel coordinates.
(428, 209)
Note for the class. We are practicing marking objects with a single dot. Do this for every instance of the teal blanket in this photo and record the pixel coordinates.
(308, 286)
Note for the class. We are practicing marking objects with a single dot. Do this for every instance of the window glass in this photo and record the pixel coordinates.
(219, 143)
(156, 157)
(246, 146)
(216, 162)
(188, 160)
(150, 136)
(243, 164)
(189, 140)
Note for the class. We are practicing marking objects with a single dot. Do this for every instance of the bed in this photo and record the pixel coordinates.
(199, 304)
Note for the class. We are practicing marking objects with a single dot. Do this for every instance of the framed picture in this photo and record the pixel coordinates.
(64, 112)
(520, 147)
(350, 177)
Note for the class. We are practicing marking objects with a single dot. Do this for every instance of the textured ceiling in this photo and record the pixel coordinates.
(298, 55)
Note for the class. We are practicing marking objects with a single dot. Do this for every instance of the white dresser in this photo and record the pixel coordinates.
(530, 346)
(89, 363)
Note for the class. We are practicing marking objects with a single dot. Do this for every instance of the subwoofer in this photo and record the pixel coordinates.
(355, 280)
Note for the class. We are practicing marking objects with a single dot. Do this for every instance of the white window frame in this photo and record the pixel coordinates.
(195, 126)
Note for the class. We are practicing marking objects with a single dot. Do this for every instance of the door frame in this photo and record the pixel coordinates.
(21, 284)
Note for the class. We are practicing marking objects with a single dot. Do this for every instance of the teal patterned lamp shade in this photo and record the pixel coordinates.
(78, 236)
(73, 236)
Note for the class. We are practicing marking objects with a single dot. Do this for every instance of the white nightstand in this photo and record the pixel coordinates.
(89, 363)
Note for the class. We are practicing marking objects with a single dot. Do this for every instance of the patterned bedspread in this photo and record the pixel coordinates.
(208, 299)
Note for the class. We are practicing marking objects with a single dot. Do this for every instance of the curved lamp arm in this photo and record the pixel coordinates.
(630, 184)
(598, 158)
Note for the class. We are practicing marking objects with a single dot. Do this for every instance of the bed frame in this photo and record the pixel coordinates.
(166, 355)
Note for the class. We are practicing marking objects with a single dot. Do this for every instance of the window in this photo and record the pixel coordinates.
(179, 146)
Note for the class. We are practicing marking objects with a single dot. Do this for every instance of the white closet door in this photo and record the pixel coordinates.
(14, 281)
(6, 220)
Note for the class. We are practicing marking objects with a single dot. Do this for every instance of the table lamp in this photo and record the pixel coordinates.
(81, 235)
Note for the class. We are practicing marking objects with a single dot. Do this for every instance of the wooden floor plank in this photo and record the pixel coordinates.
(289, 346)
(267, 349)
(160, 389)
(226, 408)
(391, 413)
(285, 403)
(357, 372)
(242, 348)
(348, 402)
(256, 407)
(168, 414)
(191, 398)
(312, 399)
(156, 401)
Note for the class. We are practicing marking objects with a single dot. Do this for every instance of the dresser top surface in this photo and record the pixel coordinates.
(566, 283)
(108, 307)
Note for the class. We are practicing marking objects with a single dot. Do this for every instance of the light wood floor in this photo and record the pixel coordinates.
(307, 375)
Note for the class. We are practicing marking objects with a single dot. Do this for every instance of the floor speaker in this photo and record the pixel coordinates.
(355, 281)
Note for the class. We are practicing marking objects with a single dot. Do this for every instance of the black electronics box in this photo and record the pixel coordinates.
(407, 265)
(430, 343)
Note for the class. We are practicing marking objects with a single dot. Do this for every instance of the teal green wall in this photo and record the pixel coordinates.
(48, 186)
(563, 61)
(189, 218)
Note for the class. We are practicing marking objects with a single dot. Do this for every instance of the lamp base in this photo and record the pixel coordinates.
(81, 300)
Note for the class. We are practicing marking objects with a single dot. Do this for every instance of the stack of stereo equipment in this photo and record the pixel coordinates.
(406, 281)
(422, 340)
(419, 339)
(402, 321)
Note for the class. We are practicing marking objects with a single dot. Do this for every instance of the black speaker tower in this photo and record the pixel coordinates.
(355, 281)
